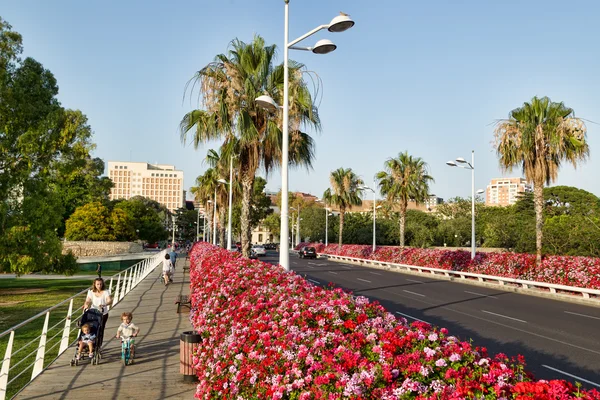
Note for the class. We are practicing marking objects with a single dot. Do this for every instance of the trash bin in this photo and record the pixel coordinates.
(187, 341)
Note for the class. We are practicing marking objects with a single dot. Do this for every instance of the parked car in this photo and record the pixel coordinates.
(259, 250)
(307, 252)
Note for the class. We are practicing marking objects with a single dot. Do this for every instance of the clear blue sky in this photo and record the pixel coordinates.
(430, 77)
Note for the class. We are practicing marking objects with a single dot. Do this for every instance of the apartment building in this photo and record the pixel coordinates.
(159, 182)
(505, 191)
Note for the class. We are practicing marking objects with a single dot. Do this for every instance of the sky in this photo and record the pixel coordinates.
(428, 77)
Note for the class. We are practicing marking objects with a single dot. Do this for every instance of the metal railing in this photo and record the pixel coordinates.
(584, 293)
(15, 365)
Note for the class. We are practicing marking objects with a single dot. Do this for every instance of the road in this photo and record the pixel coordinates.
(559, 340)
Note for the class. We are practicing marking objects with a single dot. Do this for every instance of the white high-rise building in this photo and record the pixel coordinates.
(504, 191)
(159, 182)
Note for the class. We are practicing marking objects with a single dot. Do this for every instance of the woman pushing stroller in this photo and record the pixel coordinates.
(99, 298)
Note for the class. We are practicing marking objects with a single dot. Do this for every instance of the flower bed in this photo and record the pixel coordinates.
(267, 334)
(564, 270)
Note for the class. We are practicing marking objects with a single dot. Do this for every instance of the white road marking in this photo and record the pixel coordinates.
(331, 272)
(374, 273)
(481, 294)
(416, 294)
(364, 280)
(571, 375)
(582, 315)
(504, 316)
(317, 264)
(308, 266)
(411, 317)
(315, 282)
(491, 321)
(414, 280)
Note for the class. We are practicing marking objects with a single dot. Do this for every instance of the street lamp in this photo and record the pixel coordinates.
(374, 210)
(223, 181)
(470, 166)
(297, 208)
(338, 24)
(173, 240)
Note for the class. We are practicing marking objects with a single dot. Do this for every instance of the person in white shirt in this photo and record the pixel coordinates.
(167, 269)
(128, 330)
(99, 298)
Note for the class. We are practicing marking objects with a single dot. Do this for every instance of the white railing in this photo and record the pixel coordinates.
(15, 364)
(585, 293)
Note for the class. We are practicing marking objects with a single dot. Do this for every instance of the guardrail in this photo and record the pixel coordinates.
(585, 293)
(122, 282)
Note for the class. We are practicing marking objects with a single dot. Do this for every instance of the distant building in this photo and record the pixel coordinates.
(367, 205)
(505, 191)
(159, 182)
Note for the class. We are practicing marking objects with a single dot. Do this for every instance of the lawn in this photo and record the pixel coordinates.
(21, 299)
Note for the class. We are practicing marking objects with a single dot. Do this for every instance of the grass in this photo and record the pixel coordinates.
(21, 299)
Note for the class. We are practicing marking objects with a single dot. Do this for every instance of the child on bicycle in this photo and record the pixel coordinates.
(87, 339)
(128, 330)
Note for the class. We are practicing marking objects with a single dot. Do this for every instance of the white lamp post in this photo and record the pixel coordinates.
(214, 232)
(198, 225)
(223, 181)
(173, 240)
(470, 166)
(338, 24)
(374, 211)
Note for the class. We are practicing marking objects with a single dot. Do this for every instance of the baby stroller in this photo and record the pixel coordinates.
(93, 318)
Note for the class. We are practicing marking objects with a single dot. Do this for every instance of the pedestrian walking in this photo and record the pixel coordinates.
(99, 270)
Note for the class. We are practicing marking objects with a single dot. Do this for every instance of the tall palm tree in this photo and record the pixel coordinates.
(204, 192)
(228, 87)
(539, 137)
(403, 179)
(344, 193)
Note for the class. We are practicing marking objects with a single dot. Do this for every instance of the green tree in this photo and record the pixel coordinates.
(228, 87)
(121, 226)
(344, 193)
(539, 137)
(145, 219)
(404, 178)
(90, 222)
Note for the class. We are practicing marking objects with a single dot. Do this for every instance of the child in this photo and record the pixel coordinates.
(87, 338)
(127, 331)
(167, 269)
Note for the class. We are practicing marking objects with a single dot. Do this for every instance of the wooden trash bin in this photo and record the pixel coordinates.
(187, 341)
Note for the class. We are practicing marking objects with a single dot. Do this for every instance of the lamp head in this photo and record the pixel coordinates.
(480, 191)
(451, 163)
(324, 46)
(461, 160)
(267, 103)
(340, 23)
(222, 181)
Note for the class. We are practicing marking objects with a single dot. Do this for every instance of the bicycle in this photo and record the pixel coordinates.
(126, 354)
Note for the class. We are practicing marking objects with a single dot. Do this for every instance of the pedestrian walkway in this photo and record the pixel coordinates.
(155, 372)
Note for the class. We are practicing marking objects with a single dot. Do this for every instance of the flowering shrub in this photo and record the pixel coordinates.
(564, 270)
(268, 334)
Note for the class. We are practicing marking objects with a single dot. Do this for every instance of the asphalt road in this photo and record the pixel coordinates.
(559, 340)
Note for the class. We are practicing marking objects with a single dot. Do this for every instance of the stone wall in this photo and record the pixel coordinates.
(87, 249)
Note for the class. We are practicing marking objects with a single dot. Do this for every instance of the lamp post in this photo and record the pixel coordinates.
(204, 227)
(223, 181)
(198, 225)
(339, 23)
(214, 231)
(173, 240)
(374, 211)
(297, 242)
(470, 166)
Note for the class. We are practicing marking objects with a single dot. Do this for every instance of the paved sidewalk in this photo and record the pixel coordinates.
(155, 372)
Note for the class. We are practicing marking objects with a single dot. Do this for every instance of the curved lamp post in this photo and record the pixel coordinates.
(338, 24)
(471, 166)
(374, 211)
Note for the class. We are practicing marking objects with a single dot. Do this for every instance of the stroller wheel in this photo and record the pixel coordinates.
(72, 363)
(76, 362)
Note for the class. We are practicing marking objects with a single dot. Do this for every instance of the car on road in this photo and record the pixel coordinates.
(307, 252)
(259, 250)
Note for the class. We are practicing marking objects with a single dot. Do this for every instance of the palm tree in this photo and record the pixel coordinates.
(539, 136)
(228, 87)
(204, 192)
(404, 178)
(345, 193)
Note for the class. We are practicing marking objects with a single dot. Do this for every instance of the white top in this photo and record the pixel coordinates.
(167, 266)
(99, 302)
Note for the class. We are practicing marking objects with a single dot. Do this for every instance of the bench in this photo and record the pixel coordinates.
(183, 301)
